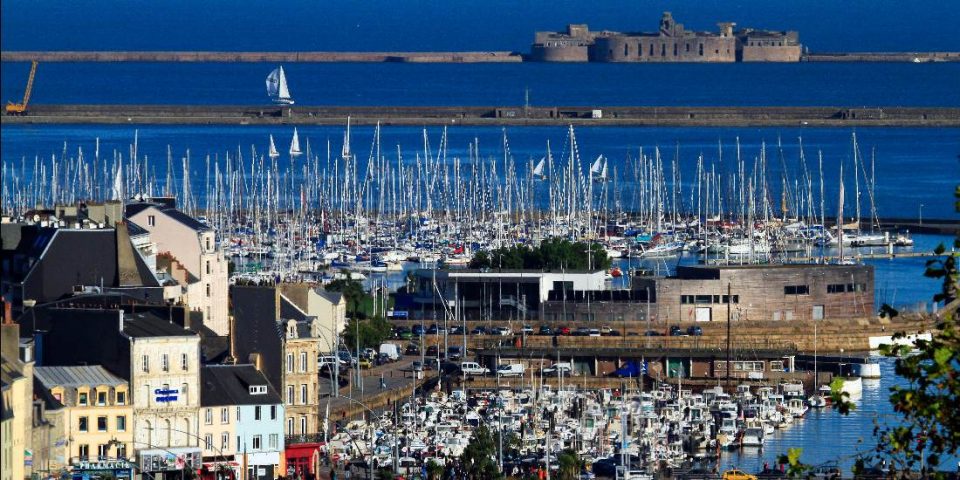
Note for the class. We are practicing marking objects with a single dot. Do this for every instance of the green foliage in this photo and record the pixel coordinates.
(795, 468)
(478, 458)
(886, 311)
(551, 254)
(371, 332)
(352, 291)
(434, 470)
(841, 400)
(570, 465)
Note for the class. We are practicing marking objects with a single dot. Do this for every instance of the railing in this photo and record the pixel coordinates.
(303, 438)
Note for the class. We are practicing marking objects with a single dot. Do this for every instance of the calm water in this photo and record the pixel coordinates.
(913, 166)
(826, 436)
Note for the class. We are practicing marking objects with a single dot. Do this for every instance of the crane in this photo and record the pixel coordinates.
(19, 108)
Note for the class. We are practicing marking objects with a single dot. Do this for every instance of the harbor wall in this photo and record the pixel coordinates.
(490, 115)
(260, 57)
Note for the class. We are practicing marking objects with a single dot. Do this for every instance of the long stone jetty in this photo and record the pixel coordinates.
(260, 57)
(490, 115)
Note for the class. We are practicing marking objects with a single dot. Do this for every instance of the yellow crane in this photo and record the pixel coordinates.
(19, 108)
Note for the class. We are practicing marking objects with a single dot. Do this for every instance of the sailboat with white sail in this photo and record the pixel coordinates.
(273, 153)
(598, 171)
(277, 87)
(294, 144)
(538, 173)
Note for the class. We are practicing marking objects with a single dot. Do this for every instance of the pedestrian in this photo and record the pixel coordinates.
(383, 383)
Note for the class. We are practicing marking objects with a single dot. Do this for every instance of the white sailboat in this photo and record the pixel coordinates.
(538, 169)
(273, 153)
(598, 171)
(277, 87)
(295, 144)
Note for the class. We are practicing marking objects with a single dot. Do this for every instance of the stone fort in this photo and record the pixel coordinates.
(672, 43)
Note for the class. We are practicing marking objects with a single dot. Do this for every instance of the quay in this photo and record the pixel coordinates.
(406, 57)
(652, 116)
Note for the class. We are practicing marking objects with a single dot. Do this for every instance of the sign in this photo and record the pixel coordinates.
(166, 395)
(27, 458)
(166, 461)
(85, 470)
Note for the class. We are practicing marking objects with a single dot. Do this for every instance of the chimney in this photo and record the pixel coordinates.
(232, 339)
(7, 313)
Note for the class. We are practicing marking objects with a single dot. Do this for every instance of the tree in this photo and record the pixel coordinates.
(570, 465)
(478, 458)
(551, 254)
(352, 291)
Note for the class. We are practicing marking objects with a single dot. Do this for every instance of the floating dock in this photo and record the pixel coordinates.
(773, 116)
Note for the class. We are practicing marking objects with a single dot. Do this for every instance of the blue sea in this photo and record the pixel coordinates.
(916, 169)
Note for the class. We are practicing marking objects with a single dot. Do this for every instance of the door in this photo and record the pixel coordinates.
(703, 314)
(817, 312)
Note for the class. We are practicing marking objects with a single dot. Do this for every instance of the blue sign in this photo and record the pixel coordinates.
(166, 395)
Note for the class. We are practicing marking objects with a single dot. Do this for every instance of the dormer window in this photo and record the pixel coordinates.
(258, 389)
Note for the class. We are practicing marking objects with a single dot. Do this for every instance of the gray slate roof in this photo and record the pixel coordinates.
(88, 375)
(230, 385)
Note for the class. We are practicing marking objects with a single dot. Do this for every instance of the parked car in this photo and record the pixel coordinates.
(433, 330)
(545, 330)
(652, 333)
(391, 350)
(417, 330)
(404, 333)
(456, 330)
(526, 330)
(365, 363)
(675, 331)
(562, 331)
(581, 332)
(502, 331)
(594, 332)
(604, 330)
(511, 370)
(455, 352)
(613, 333)
(695, 330)
(560, 368)
(473, 368)
(412, 349)
(478, 331)
(432, 351)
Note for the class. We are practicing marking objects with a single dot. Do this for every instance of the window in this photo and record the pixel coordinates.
(688, 47)
(183, 362)
(183, 393)
(289, 363)
(83, 399)
(208, 416)
(238, 414)
(121, 398)
(856, 287)
(675, 48)
(151, 220)
(122, 451)
(101, 398)
(273, 412)
(208, 243)
(303, 393)
(651, 49)
(274, 441)
(145, 364)
(663, 50)
(224, 416)
(290, 426)
(165, 362)
(121, 423)
(103, 451)
(256, 412)
(776, 365)
(290, 395)
(257, 442)
(208, 267)
(84, 452)
(224, 441)
(101, 424)
(836, 288)
(303, 361)
(701, 49)
(208, 290)
(82, 424)
(208, 442)
(303, 425)
(796, 290)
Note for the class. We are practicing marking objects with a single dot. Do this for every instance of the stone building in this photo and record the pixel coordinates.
(672, 42)
(97, 413)
(241, 422)
(191, 246)
(16, 410)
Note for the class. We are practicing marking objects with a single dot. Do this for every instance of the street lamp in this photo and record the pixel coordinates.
(920, 219)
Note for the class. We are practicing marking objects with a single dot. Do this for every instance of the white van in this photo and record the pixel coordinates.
(511, 370)
(390, 350)
(473, 368)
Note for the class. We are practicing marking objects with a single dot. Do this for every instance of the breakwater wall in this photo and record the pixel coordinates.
(410, 57)
(262, 57)
(490, 115)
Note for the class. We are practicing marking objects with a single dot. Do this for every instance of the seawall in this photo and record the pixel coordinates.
(490, 115)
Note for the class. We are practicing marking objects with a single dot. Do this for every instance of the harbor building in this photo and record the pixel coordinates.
(241, 424)
(672, 42)
(188, 252)
(273, 334)
(697, 293)
(95, 414)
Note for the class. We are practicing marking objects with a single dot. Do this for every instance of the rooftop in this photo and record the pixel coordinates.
(230, 385)
(88, 375)
(148, 324)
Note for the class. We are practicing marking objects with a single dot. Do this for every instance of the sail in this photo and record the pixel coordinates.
(603, 173)
(597, 165)
(273, 153)
(273, 83)
(295, 144)
(538, 170)
(283, 92)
